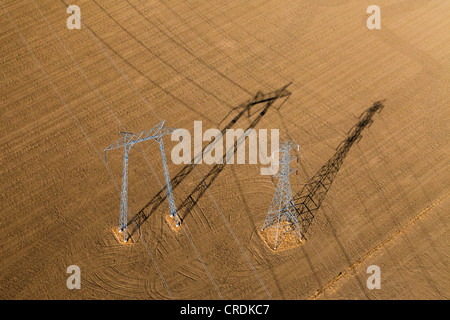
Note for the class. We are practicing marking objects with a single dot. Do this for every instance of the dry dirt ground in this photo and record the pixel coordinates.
(65, 95)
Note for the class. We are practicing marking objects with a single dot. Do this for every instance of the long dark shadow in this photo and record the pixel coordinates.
(309, 199)
(265, 99)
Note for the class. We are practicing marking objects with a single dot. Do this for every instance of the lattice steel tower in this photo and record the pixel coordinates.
(282, 214)
(127, 142)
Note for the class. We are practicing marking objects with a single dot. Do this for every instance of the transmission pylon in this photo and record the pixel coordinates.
(282, 215)
(127, 142)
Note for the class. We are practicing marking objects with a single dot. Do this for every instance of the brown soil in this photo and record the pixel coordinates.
(289, 240)
(66, 94)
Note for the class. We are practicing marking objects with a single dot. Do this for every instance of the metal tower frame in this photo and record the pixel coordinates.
(127, 142)
(282, 212)
(264, 99)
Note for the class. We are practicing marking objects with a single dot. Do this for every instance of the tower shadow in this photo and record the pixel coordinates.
(309, 199)
(264, 99)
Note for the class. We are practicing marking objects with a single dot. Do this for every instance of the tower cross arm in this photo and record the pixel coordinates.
(127, 142)
(131, 138)
(166, 131)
